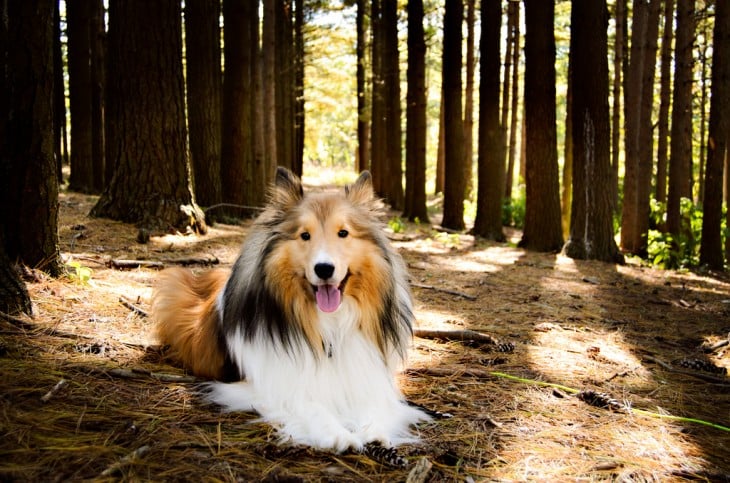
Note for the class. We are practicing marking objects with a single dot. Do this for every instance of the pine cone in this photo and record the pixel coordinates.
(600, 400)
(702, 365)
(387, 456)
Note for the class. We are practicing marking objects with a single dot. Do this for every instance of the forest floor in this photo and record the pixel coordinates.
(615, 373)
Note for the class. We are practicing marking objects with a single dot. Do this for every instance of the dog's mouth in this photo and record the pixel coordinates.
(329, 297)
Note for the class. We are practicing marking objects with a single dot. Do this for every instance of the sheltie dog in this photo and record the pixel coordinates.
(312, 323)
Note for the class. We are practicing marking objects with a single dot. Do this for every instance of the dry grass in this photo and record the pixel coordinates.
(582, 325)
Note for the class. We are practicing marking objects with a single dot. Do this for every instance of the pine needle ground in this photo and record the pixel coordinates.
(124, 412)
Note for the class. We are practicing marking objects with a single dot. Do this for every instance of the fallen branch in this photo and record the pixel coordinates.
(123, 264)
(444, 290)
(467, 337)
(137, 310)
(456, 335)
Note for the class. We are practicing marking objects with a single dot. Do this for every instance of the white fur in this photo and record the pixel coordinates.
(343, 399)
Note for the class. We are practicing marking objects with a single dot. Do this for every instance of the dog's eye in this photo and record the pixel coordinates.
(343, 233)
(305, 235)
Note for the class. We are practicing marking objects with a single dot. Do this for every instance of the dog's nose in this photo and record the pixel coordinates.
(324, 270)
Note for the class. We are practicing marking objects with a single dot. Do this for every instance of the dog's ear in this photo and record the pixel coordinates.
(361, 191)
(288, 189)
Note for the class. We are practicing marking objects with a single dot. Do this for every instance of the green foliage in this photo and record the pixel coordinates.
(396, 224)
(513, 210)
(79, 273)
(449, 240)
(681, 251)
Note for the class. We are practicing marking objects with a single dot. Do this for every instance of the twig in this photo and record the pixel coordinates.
(133, 308)
(445, 290)
(456, 335)
(59, 385)
(126, 264)
(717, 345)
(142, 374)
(130, 458)
(698, 375)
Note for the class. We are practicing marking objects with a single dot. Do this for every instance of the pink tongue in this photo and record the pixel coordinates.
(328, 298)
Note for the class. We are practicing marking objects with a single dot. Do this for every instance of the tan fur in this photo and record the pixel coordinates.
(184, 307)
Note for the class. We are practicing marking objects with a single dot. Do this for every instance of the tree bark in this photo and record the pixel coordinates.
(454, 182)
(470, 63)
(78, 18)
(680, 147)
(514, 19)
(363, 116)
(203, 75)
(488, 222)
(299, 119)
(618, 63)
(59, 97)
(242, 172)
(151, 184)
(28, 171)
(591, 223)
(393, 182)
(377, 121)
(660, 190)
(711, 252)
(415, 195)
(542, 211)
(97, 34)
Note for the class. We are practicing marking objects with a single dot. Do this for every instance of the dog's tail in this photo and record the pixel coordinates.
(185, 310)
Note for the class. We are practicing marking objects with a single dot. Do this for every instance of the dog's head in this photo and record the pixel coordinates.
(329, 247)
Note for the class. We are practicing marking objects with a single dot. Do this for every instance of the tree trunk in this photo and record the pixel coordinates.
(28, 171)
(469, 97)
(415, 199)
(78, 19)
(566, 196)
(59, 97)
(299, 120)
(269, 82)
(14, 298)
(680, 155)
(393, 186)
(542, 211)
(591, 223)
(238, 128)
(639, 133)
(285, 86)
(151, 185)
(711, 253)
(98, 82)
(377, 122)
(203, 75)
(363, 116)
(454, 182)
(488, 222)
(702, 54)
(441, 149)
(514, 19)
(618, 62)
(660, 190)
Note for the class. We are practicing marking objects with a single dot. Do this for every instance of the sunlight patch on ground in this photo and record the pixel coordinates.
(585, 362)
